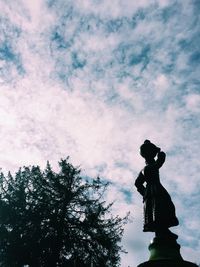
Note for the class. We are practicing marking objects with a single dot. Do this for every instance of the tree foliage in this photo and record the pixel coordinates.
(56, 219)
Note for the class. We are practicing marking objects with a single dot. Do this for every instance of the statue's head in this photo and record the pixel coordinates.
(148, 150)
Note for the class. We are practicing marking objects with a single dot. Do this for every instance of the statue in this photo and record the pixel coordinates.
(159, 210)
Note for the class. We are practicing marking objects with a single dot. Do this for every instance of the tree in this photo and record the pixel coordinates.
(57, 219)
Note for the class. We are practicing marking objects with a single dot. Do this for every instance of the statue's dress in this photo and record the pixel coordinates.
(159, 210)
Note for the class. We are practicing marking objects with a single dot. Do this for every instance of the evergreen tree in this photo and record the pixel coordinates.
(50, 219)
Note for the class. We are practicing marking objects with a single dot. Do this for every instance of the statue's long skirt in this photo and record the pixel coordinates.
(159, 210)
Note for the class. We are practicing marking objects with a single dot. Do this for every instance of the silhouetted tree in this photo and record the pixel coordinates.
(50, 219)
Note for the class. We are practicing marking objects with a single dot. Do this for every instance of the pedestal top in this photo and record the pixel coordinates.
(167, 263)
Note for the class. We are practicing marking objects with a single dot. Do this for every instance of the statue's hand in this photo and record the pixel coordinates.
(161, 154)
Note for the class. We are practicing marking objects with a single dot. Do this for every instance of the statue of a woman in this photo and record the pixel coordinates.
(159, 210)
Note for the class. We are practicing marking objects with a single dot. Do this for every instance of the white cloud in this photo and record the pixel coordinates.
(161, 85)
(193, 102)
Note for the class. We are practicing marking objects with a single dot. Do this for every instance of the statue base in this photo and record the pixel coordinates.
(165, 252)
(164, 248)
(167, 263)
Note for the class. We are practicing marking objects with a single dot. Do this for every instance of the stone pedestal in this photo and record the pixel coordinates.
(167, 263)
(164, 249)
(165, 252)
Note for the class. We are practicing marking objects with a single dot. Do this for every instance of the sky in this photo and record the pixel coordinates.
(92, 80)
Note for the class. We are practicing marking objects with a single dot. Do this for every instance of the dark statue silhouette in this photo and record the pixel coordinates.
(159, 210)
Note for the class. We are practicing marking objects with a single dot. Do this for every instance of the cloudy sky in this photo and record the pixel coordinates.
(93, 79)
